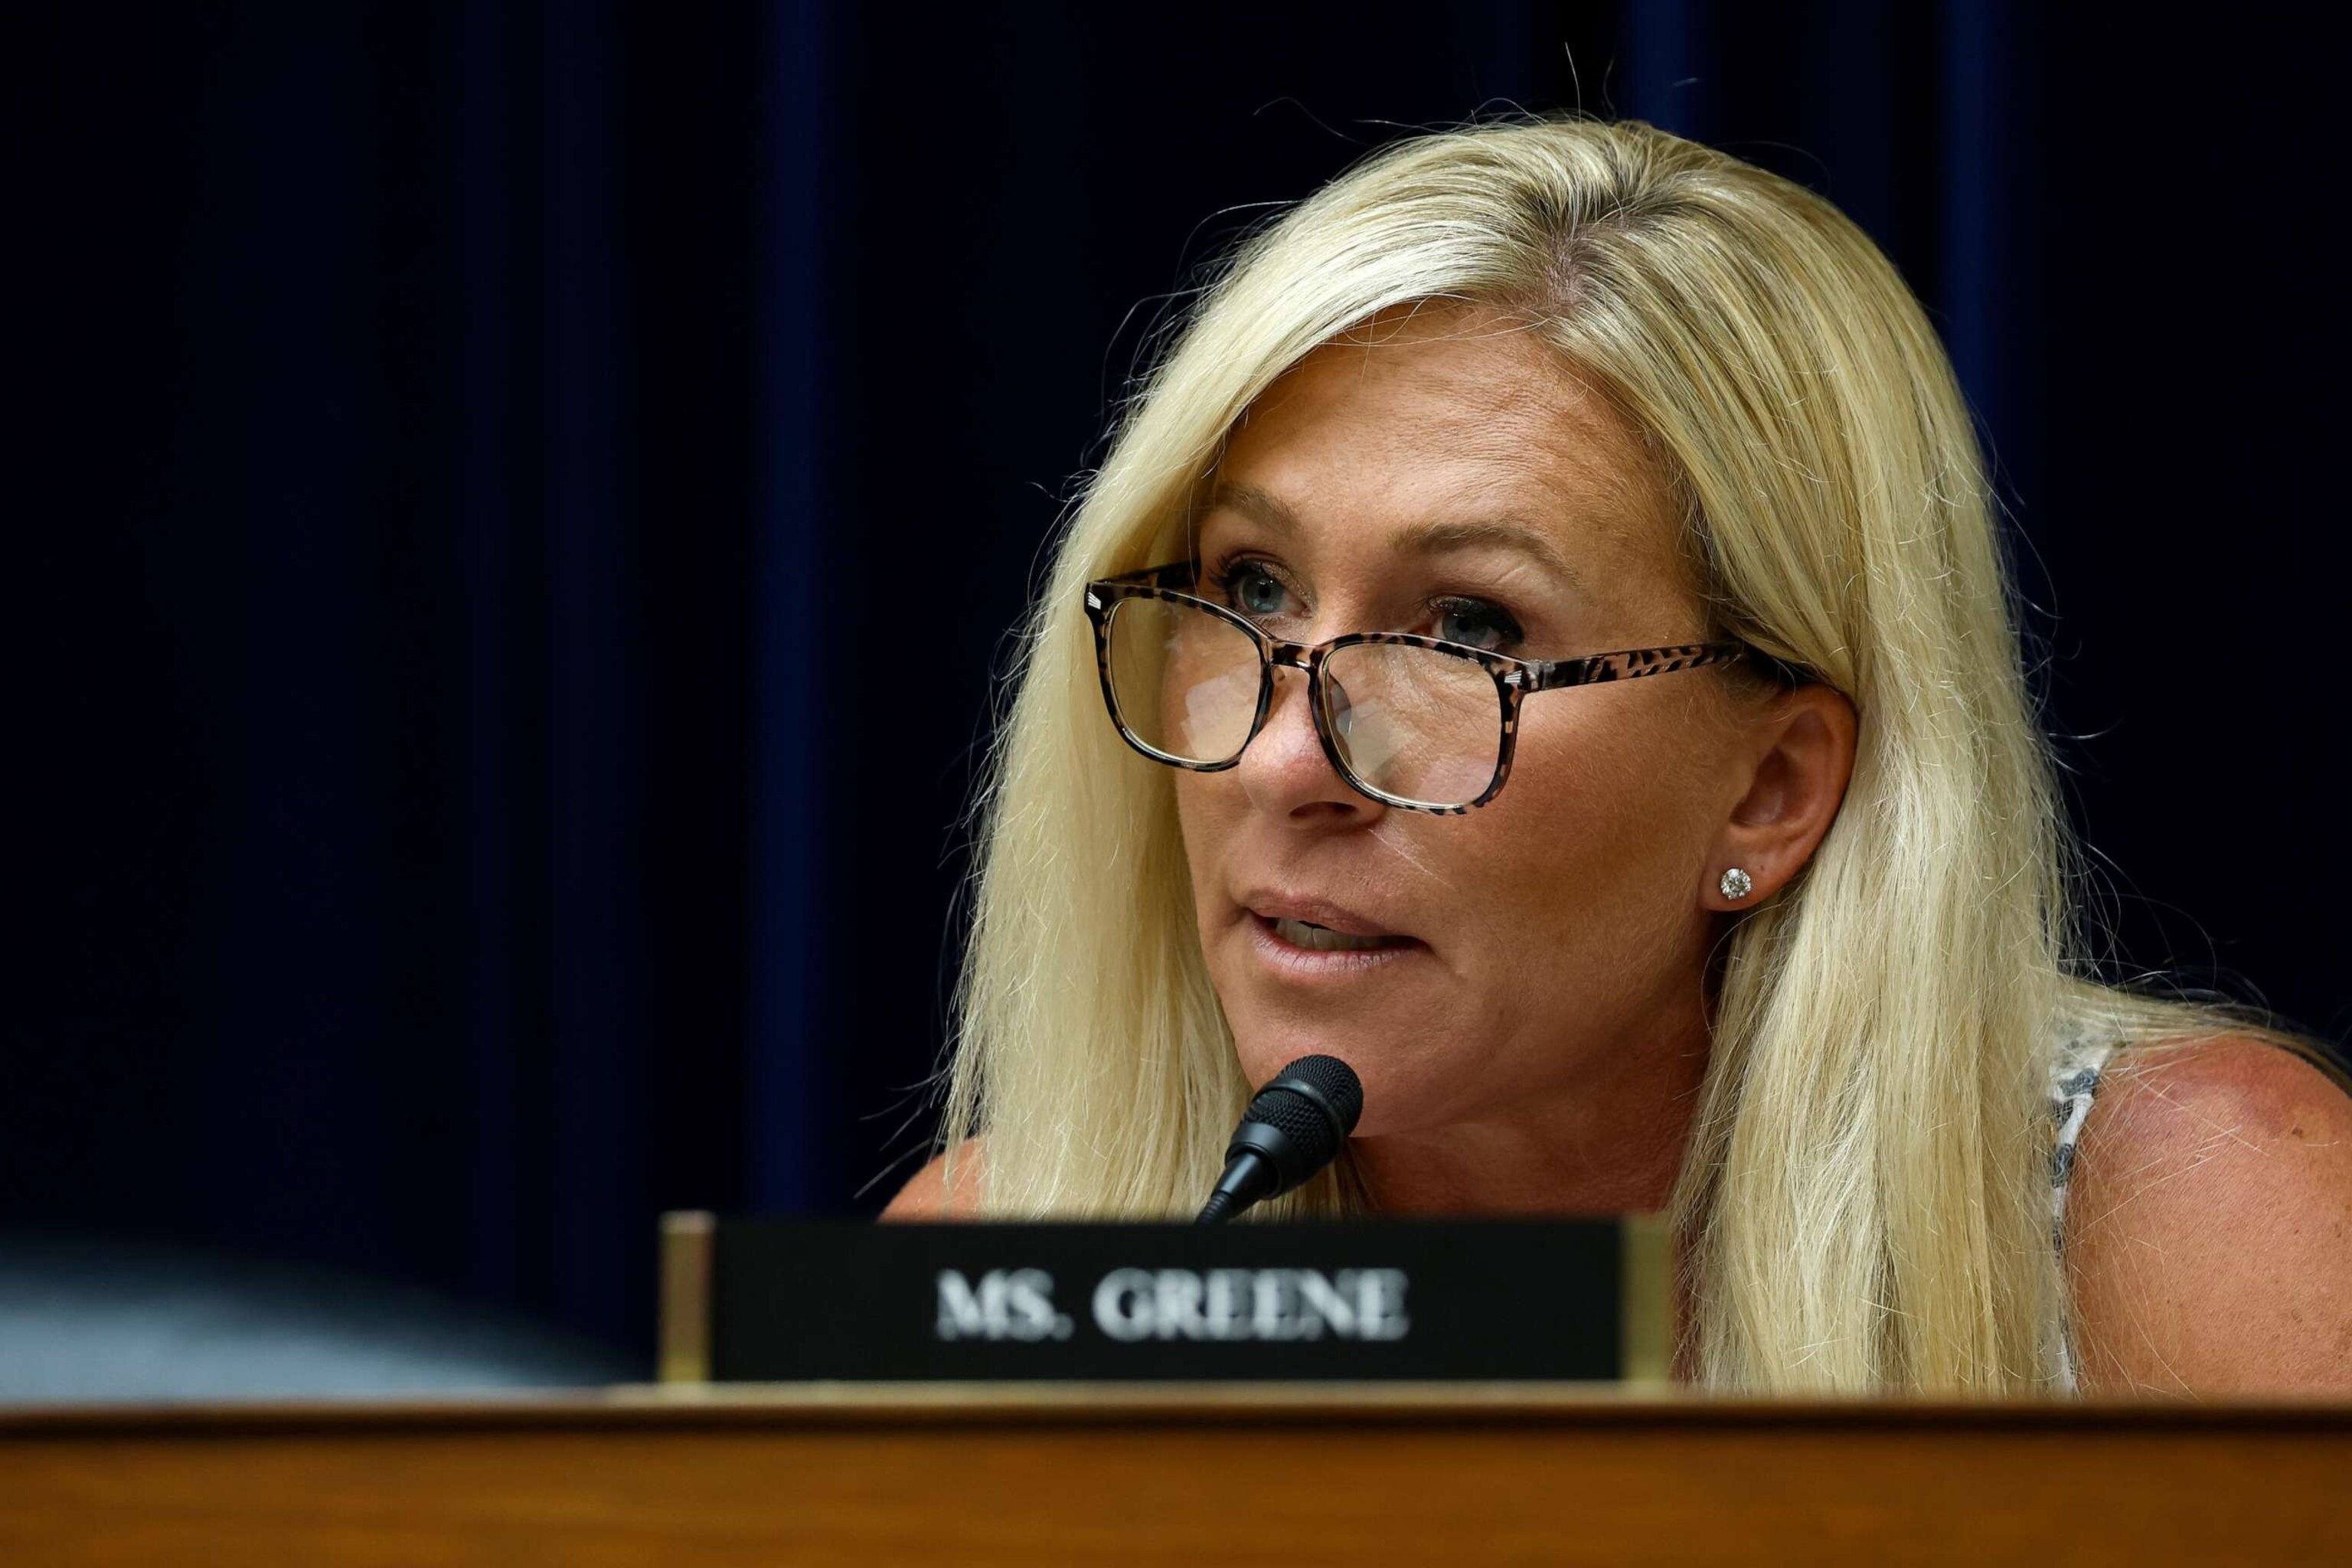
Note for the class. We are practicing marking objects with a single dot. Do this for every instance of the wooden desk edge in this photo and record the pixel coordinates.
(931, 1406)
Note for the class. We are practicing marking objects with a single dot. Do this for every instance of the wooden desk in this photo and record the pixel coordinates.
(1357, 1475)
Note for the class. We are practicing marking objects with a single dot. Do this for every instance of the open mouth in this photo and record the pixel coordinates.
(1323, 938)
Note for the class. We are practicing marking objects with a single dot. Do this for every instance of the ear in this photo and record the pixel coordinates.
(1802, 757)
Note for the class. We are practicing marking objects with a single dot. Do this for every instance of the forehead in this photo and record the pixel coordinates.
(1450, 414)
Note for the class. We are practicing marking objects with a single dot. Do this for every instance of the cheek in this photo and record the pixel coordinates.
(1206, 813)
(1608, 808)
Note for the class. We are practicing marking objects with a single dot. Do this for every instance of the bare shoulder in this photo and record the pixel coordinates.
(940, 1193)
(2209, 1224)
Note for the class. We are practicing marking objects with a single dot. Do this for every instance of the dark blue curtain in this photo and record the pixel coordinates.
(514, 508)
(2112, 220)
(386, 643)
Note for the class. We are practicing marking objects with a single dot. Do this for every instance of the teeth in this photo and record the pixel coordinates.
(1322, 939)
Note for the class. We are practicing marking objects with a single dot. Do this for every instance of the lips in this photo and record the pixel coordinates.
(1292, 955)
(1271, 905)
(1306, 939)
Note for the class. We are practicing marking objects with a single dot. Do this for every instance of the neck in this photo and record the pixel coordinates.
(1611, 1142)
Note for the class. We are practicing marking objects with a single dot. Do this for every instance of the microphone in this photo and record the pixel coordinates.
(1293, 1127)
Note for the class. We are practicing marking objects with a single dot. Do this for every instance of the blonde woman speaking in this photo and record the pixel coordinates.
(1540, 635)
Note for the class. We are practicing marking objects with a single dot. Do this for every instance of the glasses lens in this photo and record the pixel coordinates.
(1184, 681)
(1414, 724)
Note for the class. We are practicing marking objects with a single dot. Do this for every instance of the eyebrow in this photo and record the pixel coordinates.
(1423, 539)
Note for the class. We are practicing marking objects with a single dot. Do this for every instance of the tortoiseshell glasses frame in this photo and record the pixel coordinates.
(1513, 678)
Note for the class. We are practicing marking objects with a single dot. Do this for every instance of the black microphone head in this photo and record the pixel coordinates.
(1294, 1127)
(1302, 1116)
(1332, 1081)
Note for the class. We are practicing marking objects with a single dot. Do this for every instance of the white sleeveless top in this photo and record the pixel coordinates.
(2074, 1083)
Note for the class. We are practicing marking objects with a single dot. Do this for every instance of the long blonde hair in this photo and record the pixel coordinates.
(1866, 1202)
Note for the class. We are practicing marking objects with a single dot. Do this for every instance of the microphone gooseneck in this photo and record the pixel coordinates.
(1294, 1127)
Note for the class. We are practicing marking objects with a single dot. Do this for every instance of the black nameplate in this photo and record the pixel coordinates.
(793, 1301)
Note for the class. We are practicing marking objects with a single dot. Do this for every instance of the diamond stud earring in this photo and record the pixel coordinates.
(1734, 884)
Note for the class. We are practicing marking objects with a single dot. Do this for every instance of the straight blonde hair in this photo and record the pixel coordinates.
(1866, 1202)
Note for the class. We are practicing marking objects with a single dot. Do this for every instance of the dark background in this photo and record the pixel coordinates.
(461, 457)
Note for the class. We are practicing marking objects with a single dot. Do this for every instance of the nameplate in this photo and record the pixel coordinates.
(775, 1300)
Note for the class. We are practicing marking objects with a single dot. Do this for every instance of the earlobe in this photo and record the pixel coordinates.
(1790, 796)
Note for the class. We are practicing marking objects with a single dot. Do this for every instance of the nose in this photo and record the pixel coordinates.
(1285, 770)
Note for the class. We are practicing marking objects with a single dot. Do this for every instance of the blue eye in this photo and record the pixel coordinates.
(1251, 589)
(1475, 623)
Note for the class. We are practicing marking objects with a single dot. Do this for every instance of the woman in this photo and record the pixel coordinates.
(1765, 920)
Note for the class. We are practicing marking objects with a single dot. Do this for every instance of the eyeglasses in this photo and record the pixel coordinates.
(1411, 722)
